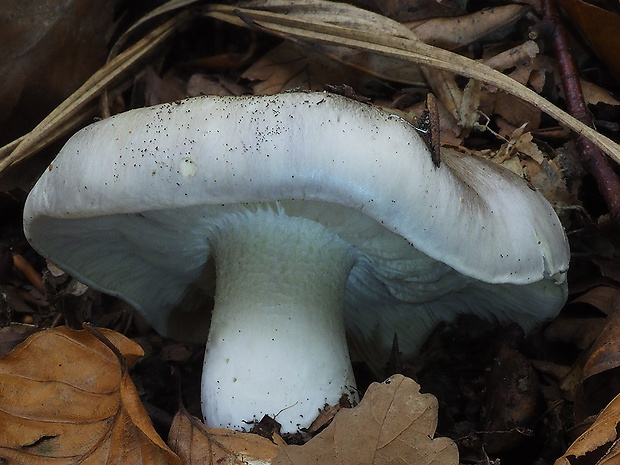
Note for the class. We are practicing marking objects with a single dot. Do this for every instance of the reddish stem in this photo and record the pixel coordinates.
(592, 158)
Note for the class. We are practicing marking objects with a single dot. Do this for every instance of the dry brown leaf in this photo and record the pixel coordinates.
(65, 398)
(599, 376)
(518, 143)
(551, 178)
(600, 27)
(600, 441)
(526, 146)
(196, 443)
(605, 353)
(454, 32)
(200, 84)
(13, 334)
(284, 67)
(393, 424)
(410, 10)
(519, 56)
(581, 332)
(289, 66)
(160, 89)
(602, 298)
(62, 40)
(594, 94)
(285, 20)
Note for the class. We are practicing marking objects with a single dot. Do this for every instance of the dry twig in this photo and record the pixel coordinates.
(591, 156)
(403, 48)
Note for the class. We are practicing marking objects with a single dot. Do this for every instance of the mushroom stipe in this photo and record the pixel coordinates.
(324, 223)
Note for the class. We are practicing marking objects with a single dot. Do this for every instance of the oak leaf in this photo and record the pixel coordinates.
(196, 443)
(600, 444)
(393, 424)
(66, 397)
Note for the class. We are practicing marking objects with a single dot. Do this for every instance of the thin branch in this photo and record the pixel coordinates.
(403, 48)
(592, 158)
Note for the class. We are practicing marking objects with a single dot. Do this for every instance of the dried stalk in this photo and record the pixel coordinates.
(396, 42)
(403, 48)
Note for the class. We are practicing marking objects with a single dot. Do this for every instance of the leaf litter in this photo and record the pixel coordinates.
(65, 395)
(501, 395)
(394, 423)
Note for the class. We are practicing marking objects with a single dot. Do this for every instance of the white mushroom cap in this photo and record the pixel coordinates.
(137, 204)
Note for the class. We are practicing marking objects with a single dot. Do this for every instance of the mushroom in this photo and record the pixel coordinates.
(317, 215)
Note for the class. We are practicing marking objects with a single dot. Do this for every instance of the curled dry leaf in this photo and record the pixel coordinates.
(600, 27)
(603, 298)
(594, 94)
(366, 35)
(599, 445)
(13, 334)
(605, 353)
(394, 423)
(600, 375)
(64, 397)
(196, 443)
(454, 32)
(288, 66)
(581, 332)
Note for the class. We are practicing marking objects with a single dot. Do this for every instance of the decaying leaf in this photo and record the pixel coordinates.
(196, 443)
(393, 424)
(13, 334)
(454, 32)
(605, 352)
(600, 377)
(293, 22)
(603, 298)
(64, 41)
(594, 94)
(600, 27)
(581, 332)
(513, 398)
(599, 442)
(410, 10)
(288, 66)
(65, 398)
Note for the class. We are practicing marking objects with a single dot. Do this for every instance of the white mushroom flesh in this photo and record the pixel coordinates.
(277, 343)
(137, 205)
